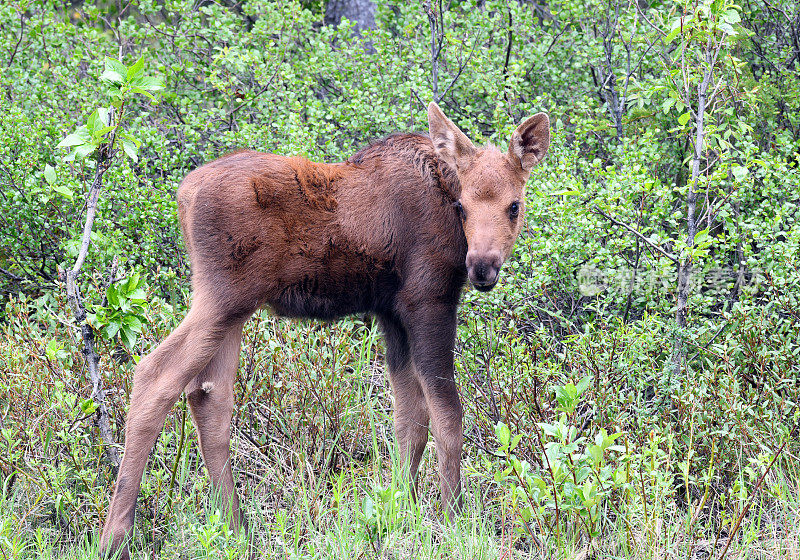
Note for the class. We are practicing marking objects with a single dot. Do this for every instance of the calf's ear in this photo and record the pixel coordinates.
(450, 143)
(530, 141)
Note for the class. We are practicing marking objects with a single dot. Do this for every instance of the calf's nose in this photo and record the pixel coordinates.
(483, 269)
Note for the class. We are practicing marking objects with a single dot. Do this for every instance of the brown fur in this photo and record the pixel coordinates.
(394, 231)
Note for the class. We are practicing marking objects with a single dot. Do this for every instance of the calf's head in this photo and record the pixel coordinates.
(492, 201)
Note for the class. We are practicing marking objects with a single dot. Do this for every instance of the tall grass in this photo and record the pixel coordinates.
(315, 462)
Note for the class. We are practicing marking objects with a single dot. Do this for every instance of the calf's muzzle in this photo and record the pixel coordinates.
(483, 269)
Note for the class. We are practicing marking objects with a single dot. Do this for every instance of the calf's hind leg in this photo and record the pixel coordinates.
(210, 397)
(158, 381)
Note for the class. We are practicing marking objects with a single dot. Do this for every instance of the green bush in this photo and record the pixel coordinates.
(569, 361)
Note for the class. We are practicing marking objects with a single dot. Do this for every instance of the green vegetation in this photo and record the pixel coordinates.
(631, 386)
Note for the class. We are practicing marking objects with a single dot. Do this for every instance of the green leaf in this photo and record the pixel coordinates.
(103, 131)
(503, 434)
(128, 338)
(587, 489)
(111, 329)
(133, 139)
(732, 16)
(684, 118)
(66, 192)
(140, 91)
(88, 406)
(584, 384)
(137, 296)
(672, 34)
(144, 85)
(135, 71)
(596, 453)
(369, 508)
(112, 295)
(130, 149)
(131, 283)
(80, 136)
(94, 320)
(84, 150)
(48, 436)
(116, 66)
(97, 121)
(133, 323)
(52, 349)
(49, 174)
(677, 26)
(739, 172)
(151, 83)
(104, 114)
(549, 429)
(566, 192)
(608, 440)
(111, 77)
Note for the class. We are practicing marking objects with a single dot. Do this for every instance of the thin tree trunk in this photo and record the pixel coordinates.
(75, 301)
(436, 37)
(685, 266)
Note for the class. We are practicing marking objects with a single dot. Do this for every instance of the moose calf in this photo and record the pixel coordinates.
(394, 231)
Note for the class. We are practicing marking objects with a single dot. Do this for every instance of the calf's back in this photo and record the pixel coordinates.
(323, 240)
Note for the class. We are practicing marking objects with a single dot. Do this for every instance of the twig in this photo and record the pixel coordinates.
(555, 38)
(435, 52)
(509, 44)
(11, 275)
(555, 486)
(461, 67)
(712, 339)
(105, 156)
(752, 497)
(649, 243)
(418, 98)
(21, 35)
(269, 82)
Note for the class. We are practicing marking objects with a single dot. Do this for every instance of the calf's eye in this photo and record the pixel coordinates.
(513, 210)
(459, 209)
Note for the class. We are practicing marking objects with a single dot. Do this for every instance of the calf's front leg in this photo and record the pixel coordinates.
(410, 408)
(432, 332)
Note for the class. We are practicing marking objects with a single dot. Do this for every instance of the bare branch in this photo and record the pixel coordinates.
(21, 35)
(434, 25)
(638, 234)
(91, 210)
(11, 275)
(421, 102)
(105, 156)
(556, 37)
(461, 67)
(264, 88)
(746, 508)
